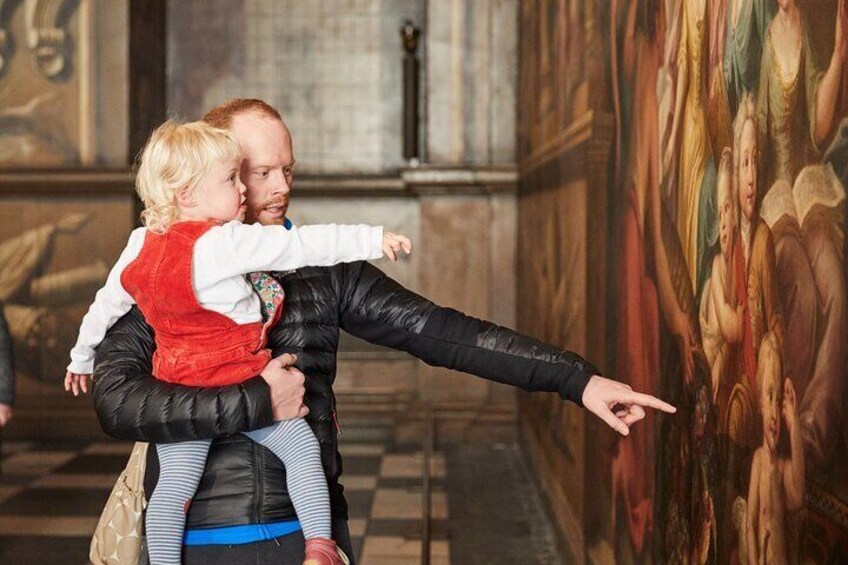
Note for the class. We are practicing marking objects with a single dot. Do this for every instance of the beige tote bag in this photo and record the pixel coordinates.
(117, 538)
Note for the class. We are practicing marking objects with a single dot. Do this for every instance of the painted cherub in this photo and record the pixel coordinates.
(777, 485)
(722, 313)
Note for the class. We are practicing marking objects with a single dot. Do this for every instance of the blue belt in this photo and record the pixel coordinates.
(234, 535)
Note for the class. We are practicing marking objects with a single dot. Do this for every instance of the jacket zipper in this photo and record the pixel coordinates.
(258, 482)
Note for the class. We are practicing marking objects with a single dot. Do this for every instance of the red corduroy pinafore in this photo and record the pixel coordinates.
(194, 346)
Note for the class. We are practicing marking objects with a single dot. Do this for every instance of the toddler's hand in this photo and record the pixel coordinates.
(789, 404)
(393, 244)
(6, 413)
(76, 381)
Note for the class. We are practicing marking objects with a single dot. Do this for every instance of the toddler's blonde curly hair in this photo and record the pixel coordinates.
(176, 157)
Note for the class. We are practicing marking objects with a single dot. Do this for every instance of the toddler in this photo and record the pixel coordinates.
(777, 482)
(722, 312)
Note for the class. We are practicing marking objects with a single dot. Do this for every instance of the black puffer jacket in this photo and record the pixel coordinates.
(243, 483)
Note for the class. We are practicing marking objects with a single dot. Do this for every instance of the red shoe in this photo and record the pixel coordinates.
(323, 551)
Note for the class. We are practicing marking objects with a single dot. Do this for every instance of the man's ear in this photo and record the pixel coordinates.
(186, 197)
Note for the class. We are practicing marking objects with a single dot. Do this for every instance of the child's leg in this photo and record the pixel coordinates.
(296, 446)
(181, 466)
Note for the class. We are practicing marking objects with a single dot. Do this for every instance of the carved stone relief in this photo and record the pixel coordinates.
(45, 36)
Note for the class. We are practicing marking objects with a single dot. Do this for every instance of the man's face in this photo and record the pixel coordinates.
(267, 167)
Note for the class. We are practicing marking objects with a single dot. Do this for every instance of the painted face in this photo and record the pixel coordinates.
(748, 170)
(267, 169)
(726, 215)
(220, 194)
(770, 402)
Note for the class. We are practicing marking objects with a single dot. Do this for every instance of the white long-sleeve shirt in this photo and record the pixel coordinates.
(221, 257)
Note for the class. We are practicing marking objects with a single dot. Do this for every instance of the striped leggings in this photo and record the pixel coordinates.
(182, 464)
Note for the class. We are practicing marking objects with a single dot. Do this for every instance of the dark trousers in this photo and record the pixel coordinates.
(285, 550)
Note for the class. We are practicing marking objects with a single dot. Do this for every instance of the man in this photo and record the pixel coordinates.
(241, 512)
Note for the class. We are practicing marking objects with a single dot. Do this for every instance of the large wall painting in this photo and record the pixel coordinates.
(728, 277)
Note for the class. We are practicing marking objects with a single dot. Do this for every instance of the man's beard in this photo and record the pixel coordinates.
(255, 214)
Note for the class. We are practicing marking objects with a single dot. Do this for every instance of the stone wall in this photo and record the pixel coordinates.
(332, 68)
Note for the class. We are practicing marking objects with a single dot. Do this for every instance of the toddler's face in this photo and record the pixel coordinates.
(220, 193)
(770, 402)
(726, 224)
(748, 170)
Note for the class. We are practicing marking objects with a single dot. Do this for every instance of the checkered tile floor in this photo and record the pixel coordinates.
(51, 496)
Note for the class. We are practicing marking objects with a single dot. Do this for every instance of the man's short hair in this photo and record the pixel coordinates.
(221, 116)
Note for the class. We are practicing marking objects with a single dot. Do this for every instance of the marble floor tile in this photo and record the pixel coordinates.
(371, 449)
(358, 482)
(10, 447)
(35, 463)
(359, 503)
(8, 491)
(391, 549)
(40, 550)
(95, 463)
(410, 529)
(45, 525)
(109, 448)
(405, 504)
(56, 502)
(76, 481)
(396, 503)
(361, 465)
(357, 527)
(411, 465)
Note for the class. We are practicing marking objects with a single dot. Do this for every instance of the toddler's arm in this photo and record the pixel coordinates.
(794, 470)
(752, 519)
(237, 249)
(729, 316)
(111, 302)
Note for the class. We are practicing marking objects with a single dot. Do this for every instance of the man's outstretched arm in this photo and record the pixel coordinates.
(376, 308)
(131, 404)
